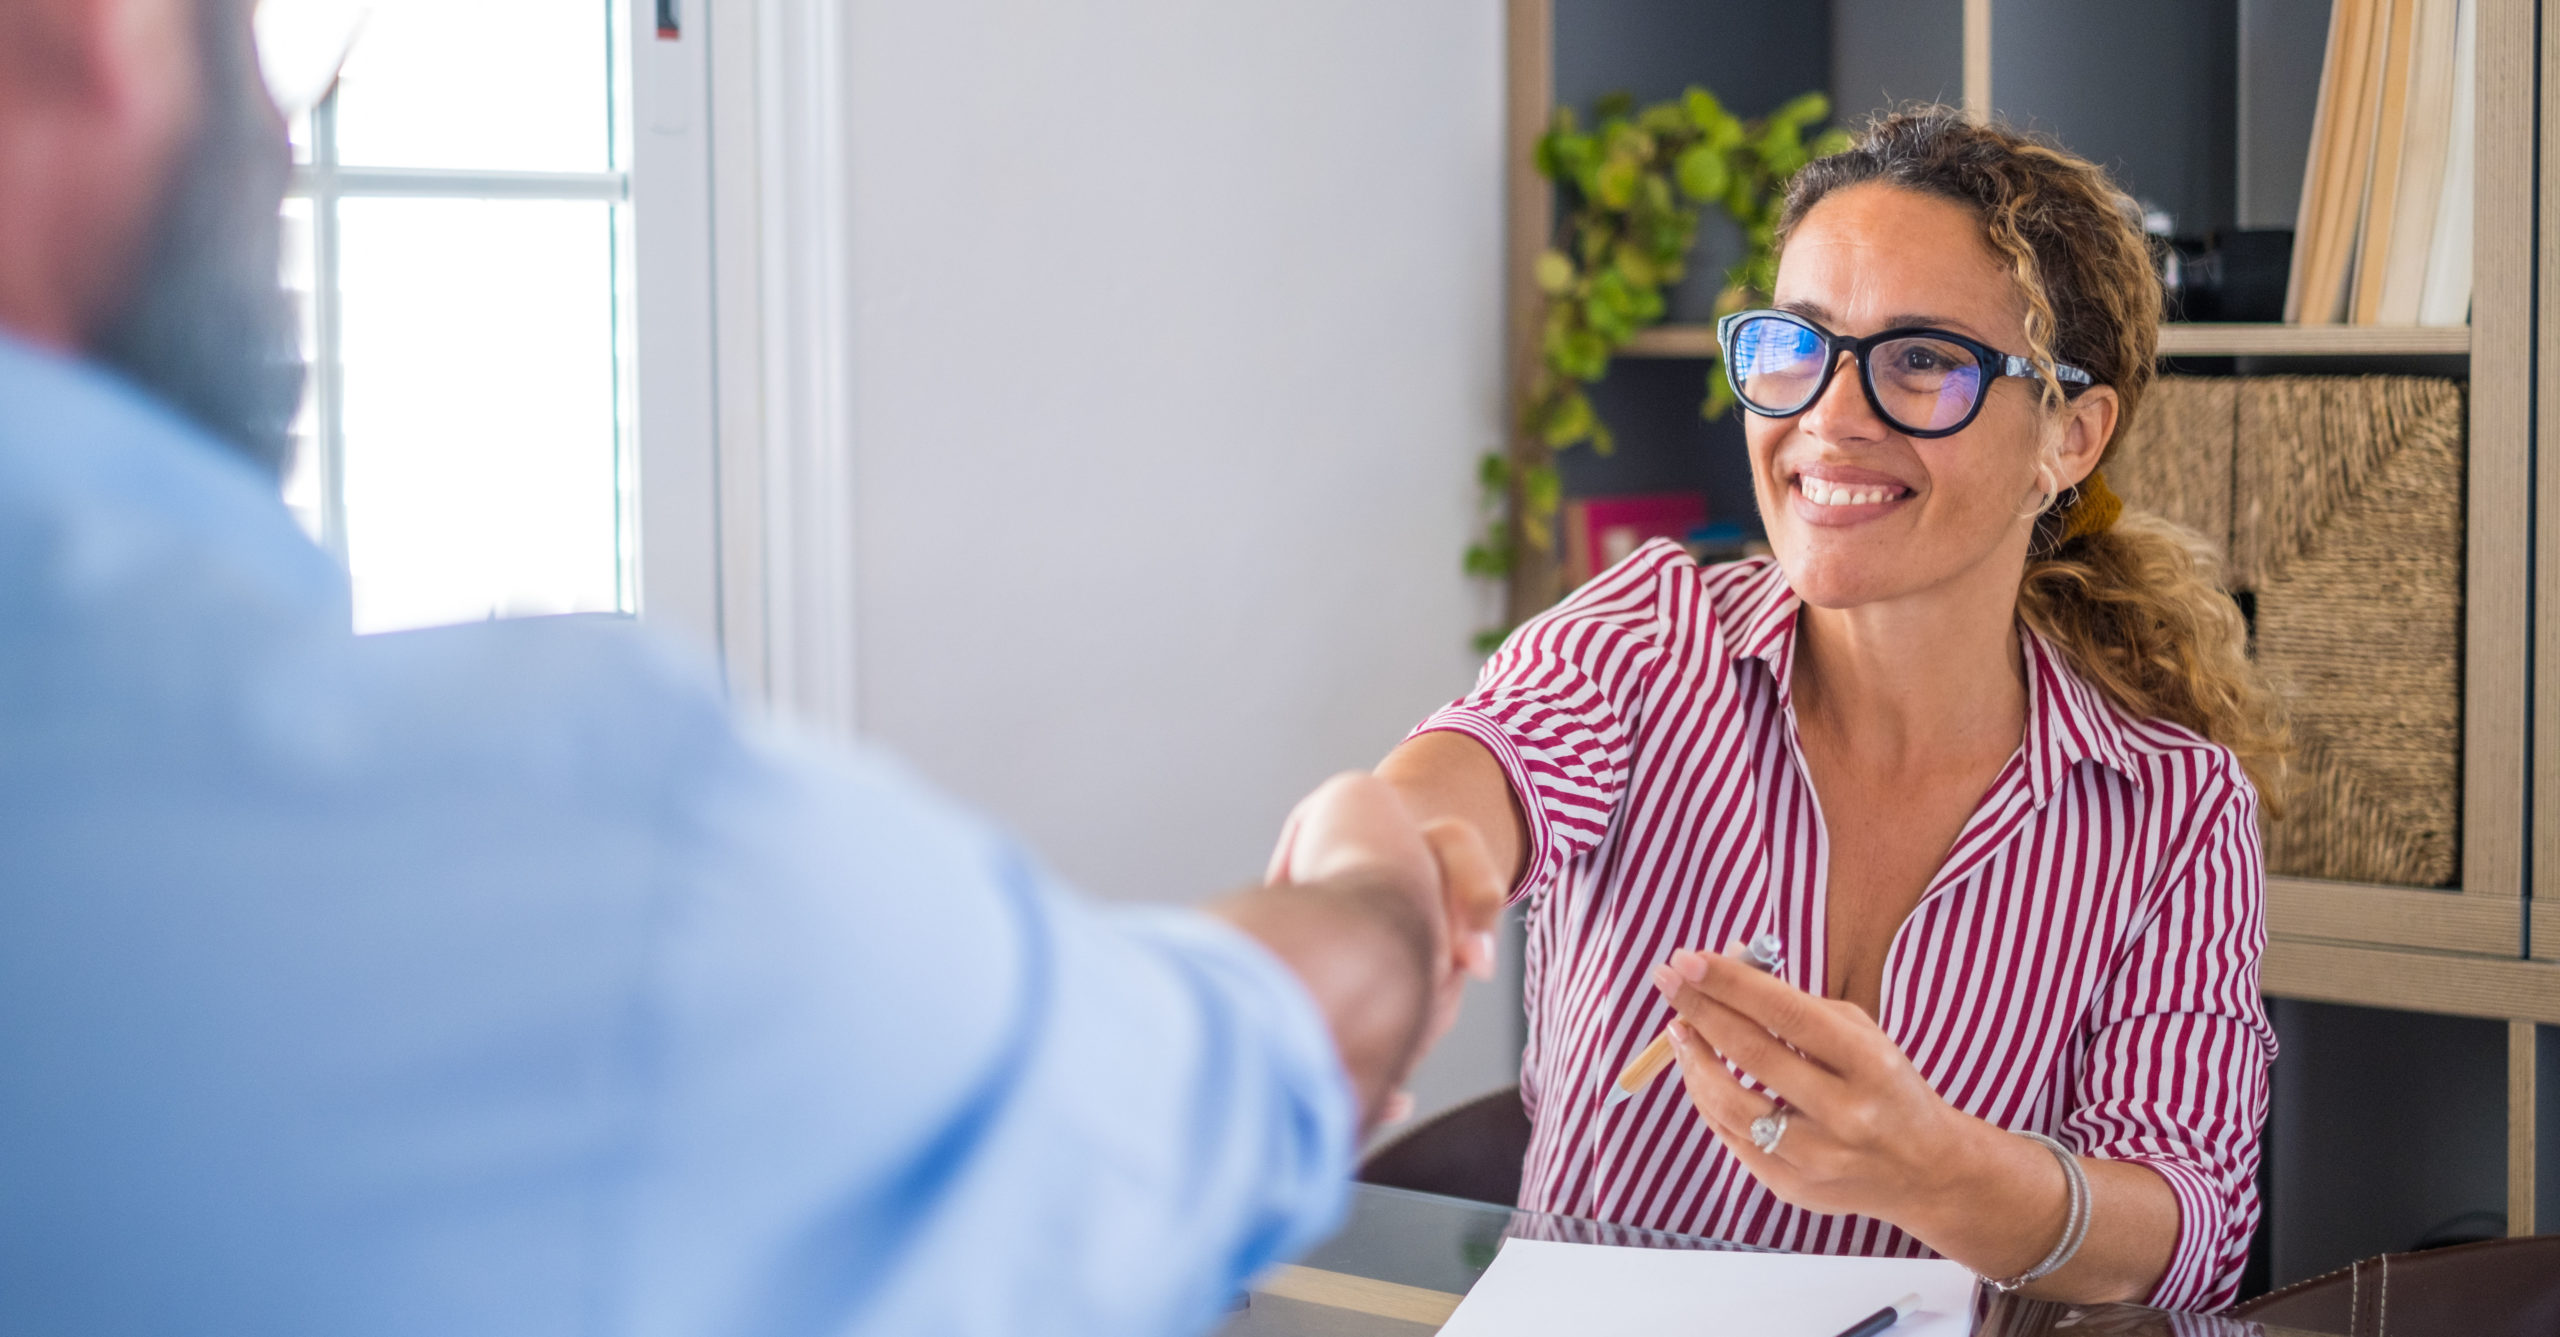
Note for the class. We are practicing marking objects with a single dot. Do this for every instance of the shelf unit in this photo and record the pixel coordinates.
(2490, 948)
(2178, 340)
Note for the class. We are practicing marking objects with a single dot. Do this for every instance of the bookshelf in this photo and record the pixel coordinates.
(2178, 339)
(2489, 948)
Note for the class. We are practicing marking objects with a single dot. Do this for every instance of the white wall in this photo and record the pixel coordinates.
(1176, 334)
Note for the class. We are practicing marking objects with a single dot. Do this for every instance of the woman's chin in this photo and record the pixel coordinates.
(1826, 577)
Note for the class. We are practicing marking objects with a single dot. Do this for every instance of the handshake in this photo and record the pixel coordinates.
(1383, 917)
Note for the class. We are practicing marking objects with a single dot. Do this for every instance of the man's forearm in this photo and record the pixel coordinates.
(1365, 952)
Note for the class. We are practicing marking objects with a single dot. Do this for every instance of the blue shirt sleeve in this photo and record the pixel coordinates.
(898, 1080)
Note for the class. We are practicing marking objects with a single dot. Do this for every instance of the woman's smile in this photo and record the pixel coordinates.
(1835, 495)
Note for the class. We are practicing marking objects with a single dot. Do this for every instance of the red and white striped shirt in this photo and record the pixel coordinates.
(2084, 964)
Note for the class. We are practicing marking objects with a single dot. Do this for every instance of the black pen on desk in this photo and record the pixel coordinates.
(1883, 1318)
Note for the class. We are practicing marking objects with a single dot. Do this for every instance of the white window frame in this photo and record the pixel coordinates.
(746, 483)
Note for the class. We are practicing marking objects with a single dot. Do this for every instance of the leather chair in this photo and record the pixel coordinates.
(1471, 1151)
(2496, 1288)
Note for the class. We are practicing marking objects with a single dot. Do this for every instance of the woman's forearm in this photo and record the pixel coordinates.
(2003, 1203)
(1449, 775)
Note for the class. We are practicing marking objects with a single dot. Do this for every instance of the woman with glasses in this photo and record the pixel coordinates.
(1977, 746)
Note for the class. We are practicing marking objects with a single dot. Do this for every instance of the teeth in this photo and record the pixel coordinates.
(1821, 493)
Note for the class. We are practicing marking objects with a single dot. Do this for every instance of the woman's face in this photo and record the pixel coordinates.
(1856, 511)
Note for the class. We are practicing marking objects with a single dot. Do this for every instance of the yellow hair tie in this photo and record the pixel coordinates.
(2096, 510)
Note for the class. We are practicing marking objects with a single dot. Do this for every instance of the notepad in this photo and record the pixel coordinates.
(1538, 1288)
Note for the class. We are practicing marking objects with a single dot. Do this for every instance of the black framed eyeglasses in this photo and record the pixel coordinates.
(1923, 382)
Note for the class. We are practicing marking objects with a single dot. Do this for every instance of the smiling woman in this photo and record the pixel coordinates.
(1975, 743)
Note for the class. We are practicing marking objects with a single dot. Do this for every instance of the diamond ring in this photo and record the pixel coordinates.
(1767, 1129)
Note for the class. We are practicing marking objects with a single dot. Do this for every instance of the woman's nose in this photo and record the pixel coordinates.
(1843, 413)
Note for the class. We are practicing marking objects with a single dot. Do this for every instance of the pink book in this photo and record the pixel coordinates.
(1599, 532)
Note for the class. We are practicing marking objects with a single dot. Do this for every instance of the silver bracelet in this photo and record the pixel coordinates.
(2074, 1229)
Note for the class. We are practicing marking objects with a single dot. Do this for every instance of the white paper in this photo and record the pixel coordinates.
(1538, 1288)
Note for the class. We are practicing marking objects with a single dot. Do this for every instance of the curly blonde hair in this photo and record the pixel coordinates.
(2136, 603)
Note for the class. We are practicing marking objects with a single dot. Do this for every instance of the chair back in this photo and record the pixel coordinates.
(1472, 1151)
(2496, 1288)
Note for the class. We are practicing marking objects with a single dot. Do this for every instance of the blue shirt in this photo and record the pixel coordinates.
(491, 980)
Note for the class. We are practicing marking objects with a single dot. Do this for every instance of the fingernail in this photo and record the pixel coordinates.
(1665, 978)
(1691, 965)
(1486, 945)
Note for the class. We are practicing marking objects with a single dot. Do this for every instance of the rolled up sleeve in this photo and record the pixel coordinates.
(1559, 704)
(2175, 1073)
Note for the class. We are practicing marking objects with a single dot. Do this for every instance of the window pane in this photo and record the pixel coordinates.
(302, 475)
(491, 85)
(482, 470)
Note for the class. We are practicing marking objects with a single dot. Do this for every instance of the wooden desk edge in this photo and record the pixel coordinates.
(1366, 1295)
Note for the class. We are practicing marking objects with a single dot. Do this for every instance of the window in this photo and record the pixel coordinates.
(458, 233)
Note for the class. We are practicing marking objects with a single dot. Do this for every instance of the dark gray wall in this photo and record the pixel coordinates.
(2145, 87)
(2281, 44)
(1752, 56)
(1892, 53)
(2387, 1125)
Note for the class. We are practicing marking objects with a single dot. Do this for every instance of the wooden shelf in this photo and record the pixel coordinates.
(2176, 340)
(2216, 340)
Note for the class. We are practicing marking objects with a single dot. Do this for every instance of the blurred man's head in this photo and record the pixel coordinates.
(141, 166)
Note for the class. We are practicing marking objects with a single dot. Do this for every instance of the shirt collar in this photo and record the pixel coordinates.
(2068, 721)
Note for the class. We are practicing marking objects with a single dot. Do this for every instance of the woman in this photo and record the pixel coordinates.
(1977, 746)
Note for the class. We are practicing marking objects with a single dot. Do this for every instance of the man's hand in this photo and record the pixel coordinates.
(1383, 918)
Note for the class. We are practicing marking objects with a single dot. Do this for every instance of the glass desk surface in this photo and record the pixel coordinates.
(1402, 1261)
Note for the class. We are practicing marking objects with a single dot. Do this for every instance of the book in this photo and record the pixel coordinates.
(2333, 177)
(1599, 532)
(2444, 297)
(2422, 158)
(2382, 180)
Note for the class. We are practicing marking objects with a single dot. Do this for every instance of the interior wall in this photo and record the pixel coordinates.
(2146, 88)
(2388, 1127)
(1176, 335)
(1891, 53)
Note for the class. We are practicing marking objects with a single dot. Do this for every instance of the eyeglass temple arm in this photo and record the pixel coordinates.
(2025, 367)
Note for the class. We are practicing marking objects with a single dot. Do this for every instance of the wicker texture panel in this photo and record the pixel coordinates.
(2345, 522)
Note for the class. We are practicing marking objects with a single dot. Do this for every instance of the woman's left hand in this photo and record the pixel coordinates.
(1864, 1132)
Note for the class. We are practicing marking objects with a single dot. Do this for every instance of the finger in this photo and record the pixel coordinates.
(1781, 1008)
(1398, 1108)
(1713, 1088)
(1750, 1046)
(1471, 892)
(1278, 873)
(1724, 1105)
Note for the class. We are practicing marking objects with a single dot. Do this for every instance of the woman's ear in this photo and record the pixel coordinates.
(2088, 423)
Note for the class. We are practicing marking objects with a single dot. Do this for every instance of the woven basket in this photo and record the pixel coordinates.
(2337, 502)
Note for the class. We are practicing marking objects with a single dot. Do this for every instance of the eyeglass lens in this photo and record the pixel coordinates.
(1922, 384)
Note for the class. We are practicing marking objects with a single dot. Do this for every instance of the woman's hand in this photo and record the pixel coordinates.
(1864, 1131)
(1356, 821)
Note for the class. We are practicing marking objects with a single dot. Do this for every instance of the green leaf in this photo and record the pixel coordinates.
(1602, 439)
(1657, 194)
(1614, 183)
(1802, 110)
(1702, 172)
(1637, 267)
(1834, 140)
(1555, 273)
(1542, 488)
(1490, 639)
(1569, 420)
(1705, 112)
(1493, 472)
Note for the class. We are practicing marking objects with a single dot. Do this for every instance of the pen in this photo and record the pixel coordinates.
(1763, 954)
(1883, 1318)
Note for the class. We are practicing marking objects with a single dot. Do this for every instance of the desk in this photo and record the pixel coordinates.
(1402, 1260)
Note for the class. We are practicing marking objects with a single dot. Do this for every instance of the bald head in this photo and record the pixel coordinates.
(141, 166)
